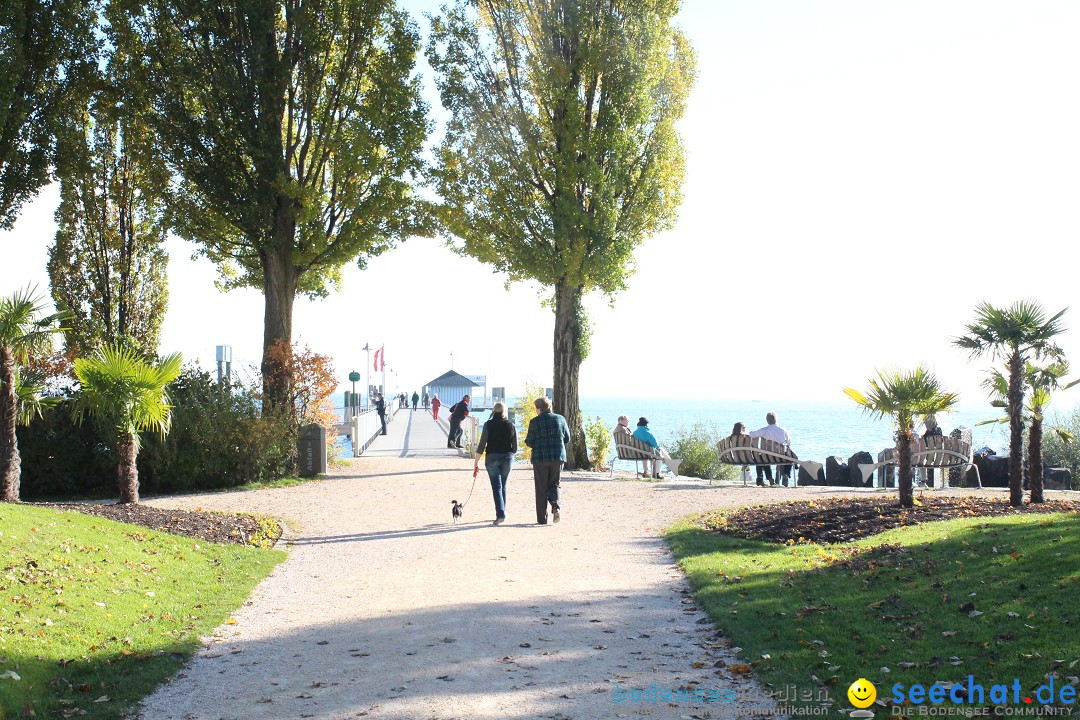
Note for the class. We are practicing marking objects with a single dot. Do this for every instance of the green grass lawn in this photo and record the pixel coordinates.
(95, 614)
(996, 598)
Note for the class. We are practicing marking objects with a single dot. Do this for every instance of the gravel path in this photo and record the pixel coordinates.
(385, 609)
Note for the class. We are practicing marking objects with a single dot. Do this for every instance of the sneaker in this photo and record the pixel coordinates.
(555, 515)
(499, 521)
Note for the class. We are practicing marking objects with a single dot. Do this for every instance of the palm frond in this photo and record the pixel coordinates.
(130, 392)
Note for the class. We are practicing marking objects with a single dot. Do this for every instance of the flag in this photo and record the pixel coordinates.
(380, 359)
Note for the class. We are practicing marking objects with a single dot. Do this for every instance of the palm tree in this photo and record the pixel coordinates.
(904, 395)
(132, 396)
(1018, 334)
(23, 330)
(1043, 382)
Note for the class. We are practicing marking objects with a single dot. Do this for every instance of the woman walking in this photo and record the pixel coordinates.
(499, 440)
(435, 405)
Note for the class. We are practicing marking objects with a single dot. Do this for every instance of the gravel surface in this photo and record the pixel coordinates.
(386, 609)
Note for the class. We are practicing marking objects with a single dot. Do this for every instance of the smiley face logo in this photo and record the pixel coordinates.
(862, 693)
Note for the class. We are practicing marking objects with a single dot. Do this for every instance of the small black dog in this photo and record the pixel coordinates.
(457, 510)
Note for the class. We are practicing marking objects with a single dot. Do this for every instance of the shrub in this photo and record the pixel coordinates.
(697, 448)
(598, 438)
(1057, 452)
(219, 439)
(524, 411)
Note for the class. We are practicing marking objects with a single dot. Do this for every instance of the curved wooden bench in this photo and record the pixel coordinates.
(628, 447)
(938, 452)
(744, 450)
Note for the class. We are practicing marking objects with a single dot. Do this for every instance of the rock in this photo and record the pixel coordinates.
(854, 474)
(805, 478)
(993, 470)
(1057, 479)
(833, 473)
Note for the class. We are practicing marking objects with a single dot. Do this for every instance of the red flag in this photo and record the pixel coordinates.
(380, 359)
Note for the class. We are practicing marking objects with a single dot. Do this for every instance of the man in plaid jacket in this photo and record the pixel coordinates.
(548, 436)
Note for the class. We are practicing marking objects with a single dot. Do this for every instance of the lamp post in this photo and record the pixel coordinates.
(354, 377)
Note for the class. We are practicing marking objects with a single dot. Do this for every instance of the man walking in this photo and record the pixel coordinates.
(380, 407)
(458, 413)
(548, 436)
(415, 400)
(773, 432)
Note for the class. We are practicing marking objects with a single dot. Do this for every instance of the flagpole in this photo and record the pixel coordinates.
(367, 374)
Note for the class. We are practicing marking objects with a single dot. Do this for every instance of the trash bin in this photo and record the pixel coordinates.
(311, 450)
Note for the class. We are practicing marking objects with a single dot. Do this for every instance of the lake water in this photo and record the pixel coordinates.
(817, 429)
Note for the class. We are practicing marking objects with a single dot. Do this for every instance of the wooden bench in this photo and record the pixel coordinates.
(937, 451)
(628, 447)
(744, 451)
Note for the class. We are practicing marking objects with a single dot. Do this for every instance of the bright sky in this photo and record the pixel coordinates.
(859, 176)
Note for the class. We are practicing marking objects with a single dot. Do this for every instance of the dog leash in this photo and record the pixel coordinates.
(476, 472)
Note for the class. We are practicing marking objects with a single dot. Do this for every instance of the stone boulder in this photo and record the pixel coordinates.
(859, 458)
(836, 471)
(1057, 479)
(805, 478)
(993, 470)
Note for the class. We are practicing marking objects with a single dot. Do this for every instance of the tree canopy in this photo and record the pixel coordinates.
(295, 127)
(45, 50)
(108, 263)
(562, 152)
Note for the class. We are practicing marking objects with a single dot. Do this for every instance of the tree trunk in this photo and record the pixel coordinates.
(569, 337)
(1035, 459)
(903, 461)
(1016, 429)
(10, 462)
(127, 472)
(280, 281)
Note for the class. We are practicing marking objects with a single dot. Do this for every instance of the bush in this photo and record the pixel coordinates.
(524, 411)
(219, 439)
(1057, 452)
(598, 438)
(697, 448)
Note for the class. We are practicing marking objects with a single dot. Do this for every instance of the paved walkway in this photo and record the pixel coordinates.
(385, 609)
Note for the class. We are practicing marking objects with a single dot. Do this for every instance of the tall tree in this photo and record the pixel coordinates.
(45, 47)
(108, 263)
(1018, 333)
(561, 154)
(904, 395)
(24, 329)
(132, 396)
(296, 127)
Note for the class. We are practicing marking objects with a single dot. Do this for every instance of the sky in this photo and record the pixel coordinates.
(859, 176)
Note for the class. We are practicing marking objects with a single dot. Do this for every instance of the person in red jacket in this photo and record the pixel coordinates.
(435, 405)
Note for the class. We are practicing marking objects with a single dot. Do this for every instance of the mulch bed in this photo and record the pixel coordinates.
(218, 527)
(835, 520)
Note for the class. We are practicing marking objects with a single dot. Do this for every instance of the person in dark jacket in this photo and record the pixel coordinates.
(458, 413)
(380, 407)
(548, 436)
(498, 445)
(415, 400)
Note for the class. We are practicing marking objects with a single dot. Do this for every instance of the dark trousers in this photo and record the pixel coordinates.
(454, 438)
(546, 479)
(382, 419)
(766, 471)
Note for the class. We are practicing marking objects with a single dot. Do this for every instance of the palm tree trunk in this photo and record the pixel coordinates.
(1035, 458)
(127, 471)
(903, 461)
(570, 338)
(10, 462)
(1016, 429)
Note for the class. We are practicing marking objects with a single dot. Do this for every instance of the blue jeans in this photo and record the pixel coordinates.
(498, 470)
